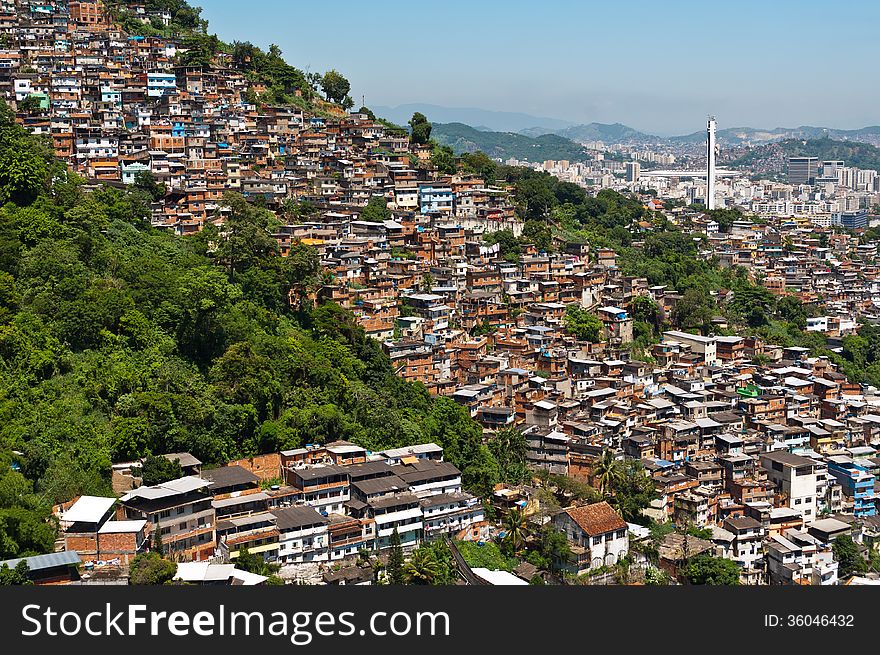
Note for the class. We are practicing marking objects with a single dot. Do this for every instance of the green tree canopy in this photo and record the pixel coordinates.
(420, 129)
(583, 324)
(708, 570)
(335, 86)
(151, 569)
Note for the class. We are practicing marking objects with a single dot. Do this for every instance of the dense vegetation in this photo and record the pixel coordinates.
(119, 341)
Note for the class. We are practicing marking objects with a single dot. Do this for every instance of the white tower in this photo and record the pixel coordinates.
(710, 166)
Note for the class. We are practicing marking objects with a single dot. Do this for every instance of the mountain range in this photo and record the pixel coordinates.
(499, 121)
(538, 126)
(504, 145)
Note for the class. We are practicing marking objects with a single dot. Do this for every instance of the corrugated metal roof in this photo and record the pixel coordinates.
(48, 561)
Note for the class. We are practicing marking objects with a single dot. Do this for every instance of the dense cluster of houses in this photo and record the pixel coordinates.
(316, 504)
(777, 459)
(116, 105)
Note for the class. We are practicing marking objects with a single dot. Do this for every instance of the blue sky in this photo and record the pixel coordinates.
(658, 66)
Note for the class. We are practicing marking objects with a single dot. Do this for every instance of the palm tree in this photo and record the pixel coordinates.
(515, 530)
(423, 568)
(606, 471)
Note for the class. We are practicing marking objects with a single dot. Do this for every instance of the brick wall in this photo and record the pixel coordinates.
(266, 467)
(84, 544)
(117, 542)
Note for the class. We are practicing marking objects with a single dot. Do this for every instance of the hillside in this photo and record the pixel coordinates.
(738, 136)
(504, 145)
(607, 133)
(119, 340)
(284, 84)
(773, 157)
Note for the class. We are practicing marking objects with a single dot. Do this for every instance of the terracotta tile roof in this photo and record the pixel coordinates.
(597, 518)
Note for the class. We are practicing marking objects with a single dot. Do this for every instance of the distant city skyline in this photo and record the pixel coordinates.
(658, 67)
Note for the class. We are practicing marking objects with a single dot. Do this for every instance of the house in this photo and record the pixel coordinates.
(180, 511)
(746, 548)
(82, 522)
(50, 569)
(597, 534)
(795, 477)
(857, 484)
(302, 535)
(210, 574)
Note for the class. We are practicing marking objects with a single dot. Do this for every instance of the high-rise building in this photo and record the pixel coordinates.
(829, 169)
(802, 170)
(710, 163)
(633, 171)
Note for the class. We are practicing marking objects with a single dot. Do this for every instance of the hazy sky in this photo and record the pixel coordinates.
(659, 66)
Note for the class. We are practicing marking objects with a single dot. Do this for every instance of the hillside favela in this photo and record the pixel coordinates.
(257, 331)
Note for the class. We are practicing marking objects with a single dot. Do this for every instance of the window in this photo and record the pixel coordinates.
(597, 540)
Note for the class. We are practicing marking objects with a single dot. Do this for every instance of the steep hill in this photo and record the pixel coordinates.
(503, 145)
(607, 133)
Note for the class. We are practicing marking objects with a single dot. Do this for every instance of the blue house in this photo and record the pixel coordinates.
(857, 483)
(436, 199)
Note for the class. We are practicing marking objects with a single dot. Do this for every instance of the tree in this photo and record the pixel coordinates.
(708, 570)
(515, 526)
(538, 233)
(158, 547)
(335, 86)
(509, 447)
(585, 325)
(17, 576)
(30, 105)
(23, 170)
(633, 491)
(246, 238)
(431, 564)
(423, 568)
(427, 282)
(479, 163)
(850, 560)
(509, 247)
(554, 548)
(395, 568)
(443, 159)
(255, 563)
(151, 569)
(302, 268)
(607, 472)
(146, 182)
(376, 210)
(156, 470)
(420, 129)
(791, 309)
(646, 310)
(693, 310)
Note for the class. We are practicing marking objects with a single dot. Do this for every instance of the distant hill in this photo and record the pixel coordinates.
(739, 136)
(773, 156)
(502, 121)
(503, 145)
(607, 133)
